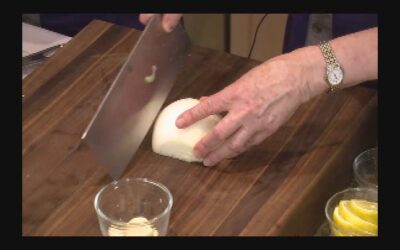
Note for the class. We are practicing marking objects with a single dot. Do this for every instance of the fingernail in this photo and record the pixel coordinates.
(170, 28)
(179, 122)
(208, 163)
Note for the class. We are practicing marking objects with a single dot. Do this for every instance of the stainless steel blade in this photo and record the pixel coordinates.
(132, 103)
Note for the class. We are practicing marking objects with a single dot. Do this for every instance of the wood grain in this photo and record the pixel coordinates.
(278, 188)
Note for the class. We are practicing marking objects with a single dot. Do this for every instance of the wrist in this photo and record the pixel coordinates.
(313, 70)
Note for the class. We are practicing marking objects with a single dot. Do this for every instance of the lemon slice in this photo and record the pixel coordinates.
(366, 210)
(359, 224)
(343, 225)
(337, 232)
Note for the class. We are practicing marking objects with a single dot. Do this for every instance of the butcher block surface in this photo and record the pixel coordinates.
(277, 188)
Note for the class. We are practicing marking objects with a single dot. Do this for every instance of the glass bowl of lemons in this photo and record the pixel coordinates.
(353, 212)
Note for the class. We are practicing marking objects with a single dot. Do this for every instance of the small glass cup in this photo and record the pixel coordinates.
(369, 194)
(133, 207)
(365, 168)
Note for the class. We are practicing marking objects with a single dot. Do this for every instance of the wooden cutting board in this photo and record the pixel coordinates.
(278, 188)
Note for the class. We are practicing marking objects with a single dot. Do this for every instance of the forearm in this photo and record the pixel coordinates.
(357, 53)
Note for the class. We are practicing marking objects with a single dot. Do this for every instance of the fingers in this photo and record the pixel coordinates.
(257, 138)
(208, 106)
(169, 21)
(203, 98)
(234, 146)
(144, 18)
(224, 129)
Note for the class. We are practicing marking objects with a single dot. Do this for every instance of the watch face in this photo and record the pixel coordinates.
(335, 75)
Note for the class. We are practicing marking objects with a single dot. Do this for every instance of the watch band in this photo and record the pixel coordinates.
(331, 61)
(328, 54)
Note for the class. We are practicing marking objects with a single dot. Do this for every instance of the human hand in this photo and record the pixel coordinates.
(258, 103)
(169, 21)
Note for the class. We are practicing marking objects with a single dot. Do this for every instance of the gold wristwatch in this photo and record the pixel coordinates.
(334, 73)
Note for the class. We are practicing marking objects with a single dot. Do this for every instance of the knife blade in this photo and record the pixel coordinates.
(132, 103)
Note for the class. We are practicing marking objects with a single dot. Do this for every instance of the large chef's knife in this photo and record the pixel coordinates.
(134, 99)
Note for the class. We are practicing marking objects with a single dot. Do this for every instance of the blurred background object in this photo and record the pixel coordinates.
(36, 39)
(234, 33)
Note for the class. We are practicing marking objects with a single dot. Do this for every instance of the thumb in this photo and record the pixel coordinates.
(169, 21)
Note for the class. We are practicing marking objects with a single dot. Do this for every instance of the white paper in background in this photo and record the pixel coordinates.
(35, 39)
